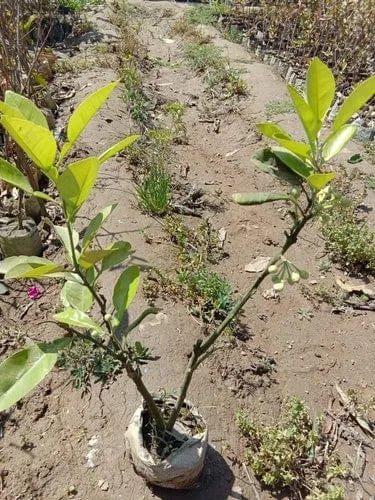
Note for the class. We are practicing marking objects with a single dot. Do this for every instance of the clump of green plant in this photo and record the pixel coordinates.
(136, 99)
(234, 34)
(202, 14)
(83, 361)
(176, 111)
(349, 240)
(78, 6)
(278, 107)
(285, 455)
(154, 191)
(219, 75)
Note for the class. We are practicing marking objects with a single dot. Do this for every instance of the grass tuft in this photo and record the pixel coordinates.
(154, 192)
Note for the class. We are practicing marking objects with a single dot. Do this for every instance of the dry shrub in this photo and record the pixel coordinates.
(341, 33)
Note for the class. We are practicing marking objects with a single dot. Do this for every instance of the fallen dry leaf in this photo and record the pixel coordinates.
(258, 265)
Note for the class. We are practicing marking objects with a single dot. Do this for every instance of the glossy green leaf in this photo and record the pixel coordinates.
(44, 196)
(121, 251)
(266, 161)
(36, 141)
(23, 371)
(7, 264)
(337, 140)
(292, 161)
(74, 317)
(27, 270)
(320, 181)
(90, 257)
(77, 296)
(84, 113)
(125, 290)
(10, 111)
(298, 148)
(306, 115)
(26, 107)
(95, 224)
(362, 93)
(320, 88)
(76, 183)
(258, 198)
(63, 235)
(116, 148)
(10, 173)
(270, 129)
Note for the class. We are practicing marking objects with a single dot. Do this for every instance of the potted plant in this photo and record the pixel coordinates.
(163, 450)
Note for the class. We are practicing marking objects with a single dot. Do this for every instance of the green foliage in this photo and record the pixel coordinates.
(137, 101)
(154, 191)
(176, 111)
(84, 360)
(84, 264)
(234, 34)
(349, 240)
(278, 453)
(279, 107)
(78, 6)
(207, 14)
(207, 59)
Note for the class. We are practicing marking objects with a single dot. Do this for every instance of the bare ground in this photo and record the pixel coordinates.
(48, 441)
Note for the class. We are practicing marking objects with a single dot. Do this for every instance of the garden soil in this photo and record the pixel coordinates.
(58, 443)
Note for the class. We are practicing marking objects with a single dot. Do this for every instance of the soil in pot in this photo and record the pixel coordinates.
(15, 241)
(175, 460)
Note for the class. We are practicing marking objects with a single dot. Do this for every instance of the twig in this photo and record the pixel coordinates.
(251, 481)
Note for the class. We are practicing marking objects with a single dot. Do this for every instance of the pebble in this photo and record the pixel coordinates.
(103, 485)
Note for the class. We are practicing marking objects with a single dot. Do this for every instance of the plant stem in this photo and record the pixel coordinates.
(201, 347)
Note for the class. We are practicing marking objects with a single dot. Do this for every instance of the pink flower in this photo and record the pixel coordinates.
(34, 292)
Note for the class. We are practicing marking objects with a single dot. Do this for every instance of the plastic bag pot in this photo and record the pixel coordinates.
(181, 469)
(15, 241)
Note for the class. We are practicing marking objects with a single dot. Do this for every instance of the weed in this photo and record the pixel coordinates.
(279, 454)
(349, 240)
(154, 192)
(84, 361)
(305, 313)
(208, 59)
(278, 107)
(369, 148)
(178, 130)
(133, 93)
(234, 34)
(201, 14)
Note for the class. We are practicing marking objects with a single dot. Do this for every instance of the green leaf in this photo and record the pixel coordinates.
(76, 182)
(10, 173)
(319, 181)
(362, 93)
(258, 198)
(84, 113)
(77, 296)
(267, 161)
(299, 148)
(26, 270)
(26, 107)
(320, 88)
(292, 161)
(63, 235)
(95, 224)
(121, 251)
(23, 371)
(91, 257)
(116, 148)
(73, 317)
(125, 290)
(44, 196)
(306, 115)
(36, 141)
(337, 140)
(270, 129)
(356, 158)
(9, 111)
(7, 264)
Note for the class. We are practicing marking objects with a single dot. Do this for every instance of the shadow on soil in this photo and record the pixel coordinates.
(216, 482)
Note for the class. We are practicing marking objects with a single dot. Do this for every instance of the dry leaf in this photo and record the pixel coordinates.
(258, 265)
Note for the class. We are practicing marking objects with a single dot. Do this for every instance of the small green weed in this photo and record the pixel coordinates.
(176, 111)
(208, 59)
(349, 240)
(370, 151)
(279, 107)
(234, 34)
(85, 361)
(305, 313)
(133, 94)
(283, 455)
(154, 192)
(207, 14)
(78, 6)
